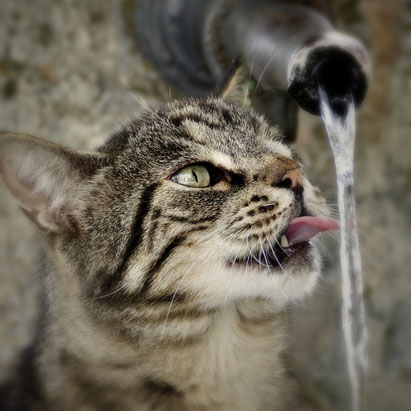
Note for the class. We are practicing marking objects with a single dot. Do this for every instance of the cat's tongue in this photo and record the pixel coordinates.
(303, 229)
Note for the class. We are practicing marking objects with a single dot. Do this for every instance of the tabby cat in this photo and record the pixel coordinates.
(171, 255)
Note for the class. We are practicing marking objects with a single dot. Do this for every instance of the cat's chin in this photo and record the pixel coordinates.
(283, 278)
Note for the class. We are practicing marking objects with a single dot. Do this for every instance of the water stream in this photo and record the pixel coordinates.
(339, 122)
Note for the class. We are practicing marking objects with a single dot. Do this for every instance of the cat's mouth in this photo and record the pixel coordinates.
(294, 242)
(274, 257)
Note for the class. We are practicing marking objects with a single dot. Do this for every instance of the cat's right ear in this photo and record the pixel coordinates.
(236, 87)
(43, 178)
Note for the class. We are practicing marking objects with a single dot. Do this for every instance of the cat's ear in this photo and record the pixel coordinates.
(236, 88)
(43, 177)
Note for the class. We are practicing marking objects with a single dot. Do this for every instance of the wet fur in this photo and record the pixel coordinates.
(145, 308)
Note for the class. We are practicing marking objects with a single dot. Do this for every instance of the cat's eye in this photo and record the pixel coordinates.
(193, 176)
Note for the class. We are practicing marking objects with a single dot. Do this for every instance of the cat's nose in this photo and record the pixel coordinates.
(293, 179)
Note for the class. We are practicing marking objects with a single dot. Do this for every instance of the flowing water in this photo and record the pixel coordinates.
(339, 122)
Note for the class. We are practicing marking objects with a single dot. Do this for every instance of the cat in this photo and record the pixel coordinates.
(169, 266)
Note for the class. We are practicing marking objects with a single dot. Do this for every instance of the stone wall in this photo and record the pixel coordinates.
(70, 71)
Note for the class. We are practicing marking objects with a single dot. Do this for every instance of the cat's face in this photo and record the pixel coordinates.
(188, 203)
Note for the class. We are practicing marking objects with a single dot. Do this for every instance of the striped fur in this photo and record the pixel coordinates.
(148, 305)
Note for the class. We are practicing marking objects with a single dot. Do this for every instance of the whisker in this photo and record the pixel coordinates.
(279, 244)
(275, 256)
(174, 296)
(265, 69)
(324, 249)
(288, 298)
(248, 84)
(112, 293)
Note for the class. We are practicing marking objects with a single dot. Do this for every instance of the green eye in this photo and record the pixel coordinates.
(192, 176)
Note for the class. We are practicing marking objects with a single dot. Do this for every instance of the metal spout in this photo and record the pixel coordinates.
(285, 46)
(292, 47)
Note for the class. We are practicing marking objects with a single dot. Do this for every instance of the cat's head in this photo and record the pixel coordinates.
(189, 202)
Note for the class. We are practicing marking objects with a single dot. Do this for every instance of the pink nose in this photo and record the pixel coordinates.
(293, 179)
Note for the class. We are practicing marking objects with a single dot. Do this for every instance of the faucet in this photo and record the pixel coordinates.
(289, 50)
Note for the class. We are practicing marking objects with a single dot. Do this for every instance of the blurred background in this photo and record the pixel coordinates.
(71, 72)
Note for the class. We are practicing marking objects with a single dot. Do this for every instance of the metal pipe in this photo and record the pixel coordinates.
(290, 47)
(285, 46)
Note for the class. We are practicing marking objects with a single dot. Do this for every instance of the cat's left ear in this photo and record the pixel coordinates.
(43, 178)
(236, 88)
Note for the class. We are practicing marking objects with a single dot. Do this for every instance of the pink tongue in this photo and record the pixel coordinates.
(303, 229)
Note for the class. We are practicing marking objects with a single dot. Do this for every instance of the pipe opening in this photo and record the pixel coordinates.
(341, 79)
(336, 78)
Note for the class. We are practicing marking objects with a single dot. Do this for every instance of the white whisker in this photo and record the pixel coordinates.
(265, 69)
(112, 293)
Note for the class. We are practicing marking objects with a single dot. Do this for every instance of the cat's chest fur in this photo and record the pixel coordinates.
(233, 366)
(239, 362)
